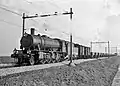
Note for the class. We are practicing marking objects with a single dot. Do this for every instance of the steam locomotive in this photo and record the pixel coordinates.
(43, 49)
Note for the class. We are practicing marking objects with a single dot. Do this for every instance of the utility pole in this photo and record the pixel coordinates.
(91, 46)
(71, 38)
(116, 49)
(23, 24)
(108, 49)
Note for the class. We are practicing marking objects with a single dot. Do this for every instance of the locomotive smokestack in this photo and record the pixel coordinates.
(32, 31)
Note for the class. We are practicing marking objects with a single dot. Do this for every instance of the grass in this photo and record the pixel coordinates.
(6, 59)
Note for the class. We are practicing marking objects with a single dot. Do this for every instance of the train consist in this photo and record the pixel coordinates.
(43, 49)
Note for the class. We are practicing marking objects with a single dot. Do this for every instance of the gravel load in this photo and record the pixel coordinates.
(90, 73)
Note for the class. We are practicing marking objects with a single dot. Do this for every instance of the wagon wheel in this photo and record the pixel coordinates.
(54, 61)
(43, 61)
(46, 61)
(50, 60)
(31, 60)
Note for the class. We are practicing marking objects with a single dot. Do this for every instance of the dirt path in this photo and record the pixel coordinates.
(116, 81)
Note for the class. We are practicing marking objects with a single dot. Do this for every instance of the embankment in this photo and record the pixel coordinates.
(91, 73)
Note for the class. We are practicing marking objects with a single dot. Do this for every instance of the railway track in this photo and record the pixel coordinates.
(13, 64)
(6, 70)
(6, 65)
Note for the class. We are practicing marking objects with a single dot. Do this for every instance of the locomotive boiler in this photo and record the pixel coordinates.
(29, 41)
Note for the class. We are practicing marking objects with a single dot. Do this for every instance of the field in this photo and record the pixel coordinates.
(6, 59)
(91, 73)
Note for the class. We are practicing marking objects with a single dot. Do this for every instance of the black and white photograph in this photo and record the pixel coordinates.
(59, 42)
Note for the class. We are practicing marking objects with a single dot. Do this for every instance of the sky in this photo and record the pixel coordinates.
(93, 20)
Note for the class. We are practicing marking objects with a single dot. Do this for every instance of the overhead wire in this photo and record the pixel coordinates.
(10, 23)
(6, 9)
(81, 39)
(31, 19)
(34, 8)
(56, 5)
(13, 12)
(65, 11)
(1, 7)
(53, 4)
(31, 4)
